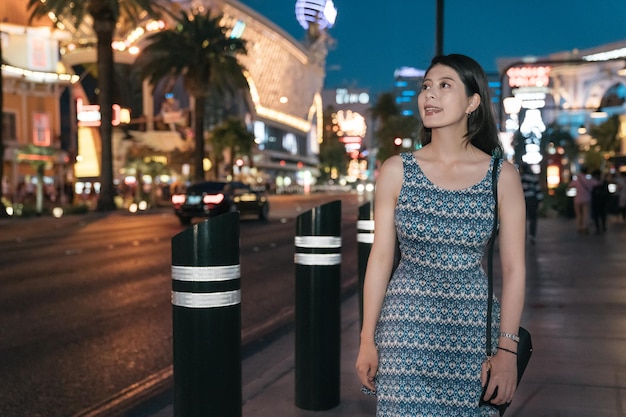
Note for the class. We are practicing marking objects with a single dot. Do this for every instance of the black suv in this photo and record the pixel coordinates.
(208, 199)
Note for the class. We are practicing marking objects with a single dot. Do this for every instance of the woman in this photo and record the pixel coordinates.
(582, 200)
(422, 349)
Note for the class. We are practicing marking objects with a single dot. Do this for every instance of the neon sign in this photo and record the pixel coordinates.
(343, 96)
(350, 123)
(529, 76)
(88, 115)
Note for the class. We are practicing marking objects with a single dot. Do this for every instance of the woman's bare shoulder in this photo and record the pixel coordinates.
(391, 173)
(392, 164)
(509, 172)
(509, 178)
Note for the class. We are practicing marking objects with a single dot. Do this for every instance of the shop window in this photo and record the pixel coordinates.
(41, 129)
(9, 128)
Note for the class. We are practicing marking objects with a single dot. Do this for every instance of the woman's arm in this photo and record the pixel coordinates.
(379, 265)
(512, 241)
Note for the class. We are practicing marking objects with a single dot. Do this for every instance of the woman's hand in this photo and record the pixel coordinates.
(503, 368)
(367, 364)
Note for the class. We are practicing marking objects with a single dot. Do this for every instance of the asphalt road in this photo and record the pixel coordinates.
(85, 306)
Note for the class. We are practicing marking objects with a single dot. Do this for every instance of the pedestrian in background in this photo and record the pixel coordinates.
(600, 196)
(422, 348)
(582, 201)
(533, 195)
(620, 181)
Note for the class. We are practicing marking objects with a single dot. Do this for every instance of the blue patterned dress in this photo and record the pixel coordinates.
(431, 332)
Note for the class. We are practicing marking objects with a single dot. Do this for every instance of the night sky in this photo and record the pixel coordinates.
(373, 38)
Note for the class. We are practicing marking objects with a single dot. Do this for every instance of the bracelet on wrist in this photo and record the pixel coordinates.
(510, 336)
(507, 350)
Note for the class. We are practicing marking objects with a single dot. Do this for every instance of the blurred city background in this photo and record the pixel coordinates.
(264, 116)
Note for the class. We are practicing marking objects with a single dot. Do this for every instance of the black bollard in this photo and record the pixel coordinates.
(364, 238)
(318, 307)
(206, 308)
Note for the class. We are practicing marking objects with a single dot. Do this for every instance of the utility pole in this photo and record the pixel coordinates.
(439, 29)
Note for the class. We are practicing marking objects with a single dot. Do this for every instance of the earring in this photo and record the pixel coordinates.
(468, 114)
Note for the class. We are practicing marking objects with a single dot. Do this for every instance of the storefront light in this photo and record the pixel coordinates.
(512, 105)
(599, 114)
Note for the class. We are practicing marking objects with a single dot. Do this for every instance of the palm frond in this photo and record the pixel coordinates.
(198, 48)
(52, 8)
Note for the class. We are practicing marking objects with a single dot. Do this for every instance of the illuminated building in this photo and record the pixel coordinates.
(35, 88)
(353, 123)
(575, 90)
(406, 87)
(283, 107)
(319, 13)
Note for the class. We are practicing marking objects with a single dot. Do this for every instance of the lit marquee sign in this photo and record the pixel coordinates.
(351, 124)
(343, 96)
(529, 76)
(88, 115)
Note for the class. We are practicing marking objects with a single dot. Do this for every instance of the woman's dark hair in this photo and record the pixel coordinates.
(481, 125)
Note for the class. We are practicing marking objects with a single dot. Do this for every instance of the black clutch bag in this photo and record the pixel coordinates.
(524, 346)
(524, 351)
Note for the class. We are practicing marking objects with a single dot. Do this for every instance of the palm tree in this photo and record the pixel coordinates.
(198, 49)
(385, 114)
(333, 156)
(3, 210)
(106, 14)
(39, 166)
(384, 108)
(231, 135)
(606, 135)
(395, 127)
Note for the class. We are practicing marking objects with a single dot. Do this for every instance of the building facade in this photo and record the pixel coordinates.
(406, 87)
(572, 90)
(37, 157)
(351, 119)
(283, 107)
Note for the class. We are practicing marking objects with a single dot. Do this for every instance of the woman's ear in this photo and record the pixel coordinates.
(474, 102)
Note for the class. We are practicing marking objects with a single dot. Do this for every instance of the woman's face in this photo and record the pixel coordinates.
(443, 100)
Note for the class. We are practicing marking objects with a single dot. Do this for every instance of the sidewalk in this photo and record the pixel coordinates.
(575, 311)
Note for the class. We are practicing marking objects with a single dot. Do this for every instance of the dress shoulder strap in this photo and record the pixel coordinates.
(496, 164)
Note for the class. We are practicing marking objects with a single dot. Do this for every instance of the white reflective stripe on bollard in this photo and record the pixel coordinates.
(318, 242)
(206, 300)
(362, 227)
(365, 237)
(365, 224)
(205, 273)
(317, 258)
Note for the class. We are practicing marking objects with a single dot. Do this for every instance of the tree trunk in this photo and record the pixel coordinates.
(198, 123)
(231, 167)
(3, 211)
(104, 29)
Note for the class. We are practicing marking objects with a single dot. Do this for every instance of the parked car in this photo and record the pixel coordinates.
(212, 198)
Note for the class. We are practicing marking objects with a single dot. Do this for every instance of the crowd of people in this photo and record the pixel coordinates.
(597, 195)
(593, 199)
